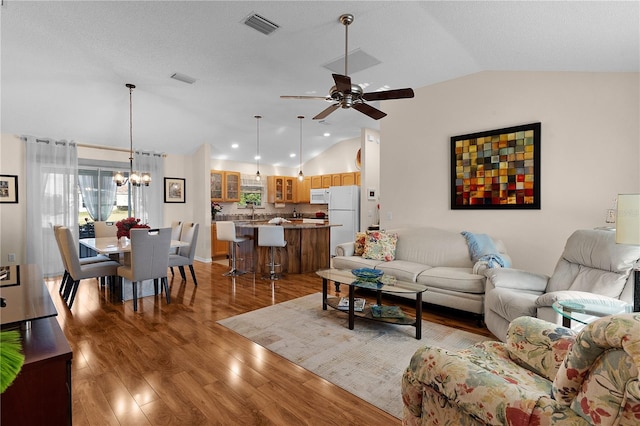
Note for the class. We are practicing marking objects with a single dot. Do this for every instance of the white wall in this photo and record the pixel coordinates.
(590, 150)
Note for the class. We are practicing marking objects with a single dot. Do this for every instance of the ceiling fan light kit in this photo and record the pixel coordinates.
(346, 95)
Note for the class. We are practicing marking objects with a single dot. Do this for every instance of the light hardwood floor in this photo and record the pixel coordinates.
(174, 365)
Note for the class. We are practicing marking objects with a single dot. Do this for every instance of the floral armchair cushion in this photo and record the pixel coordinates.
(509, 383)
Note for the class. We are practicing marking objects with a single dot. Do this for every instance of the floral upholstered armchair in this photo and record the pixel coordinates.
(544, 374)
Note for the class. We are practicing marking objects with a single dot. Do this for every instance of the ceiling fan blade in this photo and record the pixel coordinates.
(372, 112)
(343, 83)
(326, 112)
(324, 98)
(388, 94)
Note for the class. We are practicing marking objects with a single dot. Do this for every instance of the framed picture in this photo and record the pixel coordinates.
(9, 275)
(174, 190)
(496, 169)
(8, 189)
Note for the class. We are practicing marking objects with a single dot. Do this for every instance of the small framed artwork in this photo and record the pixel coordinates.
(496, 169)
(174, 190)
(371, 194)
(8, 189)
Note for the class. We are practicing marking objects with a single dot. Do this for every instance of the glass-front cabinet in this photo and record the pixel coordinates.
(225, 186)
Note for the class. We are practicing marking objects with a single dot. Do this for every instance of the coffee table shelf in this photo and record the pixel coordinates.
(368, 314)
(384, 285)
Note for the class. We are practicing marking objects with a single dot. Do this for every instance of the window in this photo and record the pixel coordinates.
(251, 191)
(99, 199)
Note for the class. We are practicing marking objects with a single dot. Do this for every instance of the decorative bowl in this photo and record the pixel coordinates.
(367, 273)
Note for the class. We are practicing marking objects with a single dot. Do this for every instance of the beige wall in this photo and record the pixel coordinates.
(13, 220)
(590, 152)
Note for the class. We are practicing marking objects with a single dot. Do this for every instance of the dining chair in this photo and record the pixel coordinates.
(104, 229)
(176, 230)
(79, 271)
(184, 256)
(271, 236)
(226, 231)
(149, 259)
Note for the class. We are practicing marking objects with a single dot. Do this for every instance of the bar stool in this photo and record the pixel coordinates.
(226, 231)
(272, 237)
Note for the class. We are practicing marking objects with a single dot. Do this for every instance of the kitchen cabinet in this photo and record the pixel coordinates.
(336, 179)
(348, 178)
(219, 249)
(358, 181)
(326, 181)
(281, 189)
(304, 190)
(225, 186)
(316, 182)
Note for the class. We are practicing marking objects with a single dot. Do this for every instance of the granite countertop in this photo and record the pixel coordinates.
(292, 225)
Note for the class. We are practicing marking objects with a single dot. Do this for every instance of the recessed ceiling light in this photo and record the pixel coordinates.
(327, 134)
(235, 145)
(292, 155)
(257, 157)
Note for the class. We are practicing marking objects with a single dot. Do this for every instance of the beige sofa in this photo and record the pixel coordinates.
(438, 259)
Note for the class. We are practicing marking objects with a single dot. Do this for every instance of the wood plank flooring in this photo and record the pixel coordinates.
(174, 365)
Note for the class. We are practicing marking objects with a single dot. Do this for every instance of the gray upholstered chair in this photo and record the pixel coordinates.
(105, 229)
(76, 270)
(226, 231)
(592, 266)
(149, 259)
(176, 229)
(271, 236)
(184, 256)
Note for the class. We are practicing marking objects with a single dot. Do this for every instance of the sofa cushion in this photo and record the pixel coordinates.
(455, 279)
(402, 270)
(508, 303)
(433, 247)
(361, 238)
(380, 245)
(354, 262)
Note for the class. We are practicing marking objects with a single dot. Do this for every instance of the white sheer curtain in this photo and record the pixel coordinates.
(147, 200)
(52, 199)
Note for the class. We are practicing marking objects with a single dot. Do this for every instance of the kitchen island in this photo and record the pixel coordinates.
(307, 247)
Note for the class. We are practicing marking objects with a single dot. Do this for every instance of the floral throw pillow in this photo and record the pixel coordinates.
(380, 246)
(360, 240)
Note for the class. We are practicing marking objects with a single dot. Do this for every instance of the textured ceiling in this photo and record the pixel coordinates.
(65, 64)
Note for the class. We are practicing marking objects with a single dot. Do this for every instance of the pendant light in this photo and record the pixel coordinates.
(134, 178)
(258, 117)
(301, 175)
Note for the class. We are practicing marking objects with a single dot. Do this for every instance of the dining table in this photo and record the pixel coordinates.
(119, 249)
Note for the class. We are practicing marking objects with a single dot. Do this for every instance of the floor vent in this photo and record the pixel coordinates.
(261, 24)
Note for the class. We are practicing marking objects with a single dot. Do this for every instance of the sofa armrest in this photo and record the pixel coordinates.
(346, 249)
(548, 299)
(538, 345)
(517, 279)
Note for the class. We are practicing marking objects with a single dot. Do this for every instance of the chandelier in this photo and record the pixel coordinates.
(257, 117)
(301, 175)
(134, 178)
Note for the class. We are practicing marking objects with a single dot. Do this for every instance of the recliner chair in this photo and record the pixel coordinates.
(592, 266)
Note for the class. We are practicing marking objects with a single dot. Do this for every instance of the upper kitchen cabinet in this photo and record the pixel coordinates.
(347, 179)
(304, 190)
(326, 181)
(225, 186)
(281, 189)
(316, 182)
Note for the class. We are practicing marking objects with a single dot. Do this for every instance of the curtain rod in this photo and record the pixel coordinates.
(110, 148)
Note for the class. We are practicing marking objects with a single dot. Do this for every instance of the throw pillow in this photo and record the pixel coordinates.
(360, 240)
(380, 246)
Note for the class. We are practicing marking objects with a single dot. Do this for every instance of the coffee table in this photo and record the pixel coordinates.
(586, 310)
(385, 284)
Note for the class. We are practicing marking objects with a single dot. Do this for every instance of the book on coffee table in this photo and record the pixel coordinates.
(386, 312)
(358, 304)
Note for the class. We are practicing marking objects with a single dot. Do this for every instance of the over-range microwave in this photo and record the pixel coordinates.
(319, 196)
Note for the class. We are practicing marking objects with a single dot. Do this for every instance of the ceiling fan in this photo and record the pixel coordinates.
(347, 95)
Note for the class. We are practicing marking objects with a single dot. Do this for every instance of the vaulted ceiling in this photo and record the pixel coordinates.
(65, 64)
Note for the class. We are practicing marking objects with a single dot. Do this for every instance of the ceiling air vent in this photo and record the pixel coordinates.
(261, 24)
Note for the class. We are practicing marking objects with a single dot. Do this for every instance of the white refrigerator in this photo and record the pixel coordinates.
(344, 209)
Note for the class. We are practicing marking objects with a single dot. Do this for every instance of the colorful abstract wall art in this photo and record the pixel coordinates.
(496, 169)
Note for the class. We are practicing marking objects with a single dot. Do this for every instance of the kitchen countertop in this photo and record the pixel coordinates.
(293, 225)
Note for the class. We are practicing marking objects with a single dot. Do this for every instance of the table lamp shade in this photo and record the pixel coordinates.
(628, 219)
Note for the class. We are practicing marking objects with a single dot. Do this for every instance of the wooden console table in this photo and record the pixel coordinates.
(41, 394)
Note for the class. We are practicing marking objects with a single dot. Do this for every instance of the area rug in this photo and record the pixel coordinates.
(368, 361)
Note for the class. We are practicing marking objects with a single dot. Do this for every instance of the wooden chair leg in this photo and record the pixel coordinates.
(165, 283)
(63, 282)
(193, 275)
(75, 286)
(135, 296)
(184, 277)
(171, 267)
